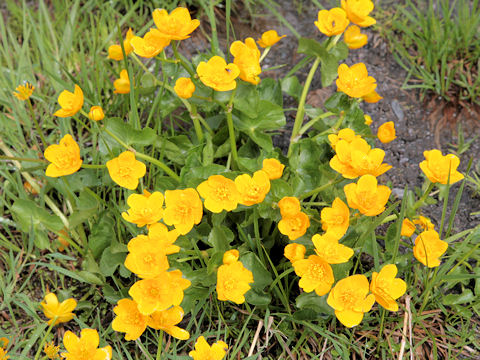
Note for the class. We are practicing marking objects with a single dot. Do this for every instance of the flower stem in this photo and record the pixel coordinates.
(182, 62)
(421, 201)
(320, 188)
(428, 290)
(45, 338)
(231, 130)
(37, 125)
(265, 52)
(301, 106)
(160, 345)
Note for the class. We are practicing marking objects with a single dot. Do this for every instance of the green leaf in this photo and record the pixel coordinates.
(208, 151)
(339, 101)
(90, 278)
(271, 90)
(110, 261)
(29, 214)
(220, 238)
(261, 276)
(329, 69)
(456, 299)
(176, 148)
(257, 298)
(128, 134)
(292, 87)
(340, 51)
(311, 47)
(102, 234)
(314, 302)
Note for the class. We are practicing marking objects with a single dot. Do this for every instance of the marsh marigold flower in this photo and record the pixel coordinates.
(125, 170)
(350, 300)
(424, 222)
(51, 351)
(269, 38)
(159, 293)
(183, 209)
(70, 103)
(346, 134)
(85, 347)
(289, 206)
(64, 157)
(150, 45)
(428, 248)
(294, 252)
(52, 308)
(354, 38)
(386, 132)
(217, 74)
(387, 288)
(167, 320)
(203, 351)
(184, 87)
(115, 51)
(164, 238)
(372, 97)
(220, 193)
(3, 354)
(145, 209)
(273, 168)
(294, 226)
(129, 320)
(122, 84)
(315, 274)
(233, 279)
(358, 10)
(253, 189)
(96, 113)
(368, 120)
(23, 92)
(178, 25)
(367, 196)
(146, 258)
(336, 219)
(437, 167)
(332, 22)
(408, 228)
(247, 58)
(330, 250)
(354, 80)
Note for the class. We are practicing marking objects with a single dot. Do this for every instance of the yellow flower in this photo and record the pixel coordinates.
(146, 258)
(332, 22)
(273, 168)
(122, 84)
(217, 74)
(428, 248)
(358, 10)
(330, 250)
(183, 209)
(152, 44)
(3, 354)
(316, 274)
(354, 80)
(269, 38)
(346, 134)
(50, 350)
(70, 103)
(184, 87)
(64, 157)
(354, 38)
(253, 189)
(336, 219)
(125, 170)
(350, 300)
(164, 238)
(437, 167)
(366, 196)
(62, 311)
(115, 51)
(289, 206)
(386, 132)
(23, 92)
(387, 288)
(85, 347)
(144, 209)
(220, 193)
(203, 351)
(372, 97)
(230, 256)
(129, 320)
(357, 158)
(294, 226)
(294, 252)
(178, 25)
(368, 120)
(247, 58)
(233, 280)
(424, 222)
(4, 342)
(166, 320)
(96, 113)
(160, 293)
(408, 228)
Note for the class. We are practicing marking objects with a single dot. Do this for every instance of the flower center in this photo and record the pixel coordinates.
(316, 272)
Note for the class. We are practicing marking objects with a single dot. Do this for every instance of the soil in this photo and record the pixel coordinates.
(420, 124)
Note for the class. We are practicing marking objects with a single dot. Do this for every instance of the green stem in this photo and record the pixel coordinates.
(196, 123)
(37, 125)
(160, 345)
(312, 122)
(265, 52)
(231, 130)
(40, 347)
(428, 290)
(421, 201)
(182, 62)
(143, 350)
(320, 188)
(301, 106)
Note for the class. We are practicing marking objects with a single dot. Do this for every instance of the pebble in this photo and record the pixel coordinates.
(397, 110)
(397, 192)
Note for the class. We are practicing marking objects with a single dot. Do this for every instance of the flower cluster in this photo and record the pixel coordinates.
(294, 222)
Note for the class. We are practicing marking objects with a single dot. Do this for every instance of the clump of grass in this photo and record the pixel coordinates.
(438, 44)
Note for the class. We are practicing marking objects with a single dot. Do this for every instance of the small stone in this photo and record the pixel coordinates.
(397, 192)
(397, 110)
